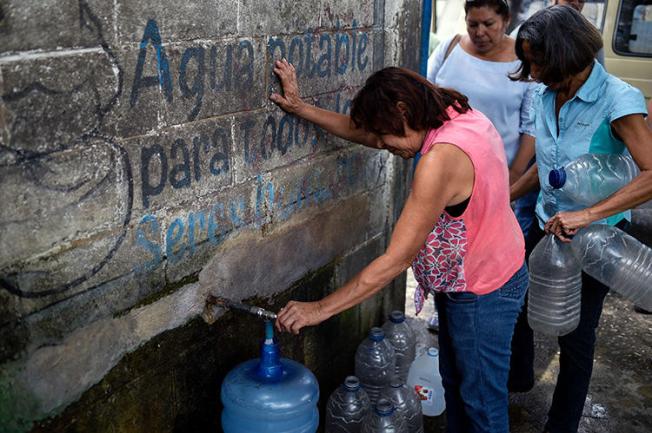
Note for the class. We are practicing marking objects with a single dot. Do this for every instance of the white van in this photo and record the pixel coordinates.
(627, 36)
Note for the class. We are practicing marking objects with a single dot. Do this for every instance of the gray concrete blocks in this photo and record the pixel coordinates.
(54, 24)
(199, 19)
(139, 152)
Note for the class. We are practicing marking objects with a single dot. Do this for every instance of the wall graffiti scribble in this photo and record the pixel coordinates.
(45, 166)
(75, 165)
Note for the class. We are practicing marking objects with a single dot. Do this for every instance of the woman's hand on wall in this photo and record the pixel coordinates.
(296, 315)
(291, 100)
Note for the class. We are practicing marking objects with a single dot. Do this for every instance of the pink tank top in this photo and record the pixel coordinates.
(480, 250)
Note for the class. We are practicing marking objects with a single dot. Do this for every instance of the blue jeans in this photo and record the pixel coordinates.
(475, 333)
(524, 211)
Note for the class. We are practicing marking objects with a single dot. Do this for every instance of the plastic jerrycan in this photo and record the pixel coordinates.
(425, 379)
(270, 394)
(617, 260)
(593, 177)
(347, 407)
(375, 359)
(406, 402)
(384, 419)
(402, 338)
(555, 291)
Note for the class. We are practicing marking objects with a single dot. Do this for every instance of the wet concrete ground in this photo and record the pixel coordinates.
(620, 395)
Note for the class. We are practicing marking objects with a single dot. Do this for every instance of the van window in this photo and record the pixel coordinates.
(594, 11)
(633, 35)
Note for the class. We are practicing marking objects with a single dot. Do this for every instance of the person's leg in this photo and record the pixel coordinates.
(521, 372)
(576, 361)
(524, 211)
(456, 420)
(479, 332)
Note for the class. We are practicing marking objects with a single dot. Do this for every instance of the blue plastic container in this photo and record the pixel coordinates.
(270, 394)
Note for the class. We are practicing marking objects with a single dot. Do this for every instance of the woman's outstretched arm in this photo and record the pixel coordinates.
(335, 123)
(443, 176)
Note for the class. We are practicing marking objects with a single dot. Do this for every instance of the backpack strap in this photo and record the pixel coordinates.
(451, 46)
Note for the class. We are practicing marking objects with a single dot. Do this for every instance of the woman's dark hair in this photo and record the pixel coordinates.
(375, 107)
(562, 43)
(499, 6)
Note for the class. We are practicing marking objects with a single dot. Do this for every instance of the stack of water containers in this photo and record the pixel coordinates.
(379, 398)
(604, 252)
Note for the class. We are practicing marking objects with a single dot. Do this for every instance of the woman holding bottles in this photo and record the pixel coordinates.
(580, 109)
(456, 229)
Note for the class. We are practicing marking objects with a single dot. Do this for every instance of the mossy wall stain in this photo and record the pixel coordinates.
(173, 382)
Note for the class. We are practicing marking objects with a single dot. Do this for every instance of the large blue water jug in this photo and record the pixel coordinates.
(270, 394)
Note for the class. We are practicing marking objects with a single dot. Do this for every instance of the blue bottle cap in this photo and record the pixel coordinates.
(376, 334)
(351, 383)
(384, 407)
(432, 351)
(557, 178)
(397, 316)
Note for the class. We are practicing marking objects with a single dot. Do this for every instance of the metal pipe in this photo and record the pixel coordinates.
(261, 313)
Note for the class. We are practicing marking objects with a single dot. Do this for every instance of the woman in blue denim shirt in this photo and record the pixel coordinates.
(580, 108)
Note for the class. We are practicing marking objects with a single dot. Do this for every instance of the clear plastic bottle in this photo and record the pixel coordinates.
(402, 338)
(555, 291)
(593, 177)
(425, 380)
(384, 419)
(617, 260)
(374, 363)
(406, 402)
(347, 407)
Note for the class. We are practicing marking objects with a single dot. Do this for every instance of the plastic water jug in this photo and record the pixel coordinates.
(384, 419)
(374, 363)
(402, 338)
(425, 380)
(555, 291)
(406, 402)
(592, 177)
(347, 407)
(617, 260)
(270, 394)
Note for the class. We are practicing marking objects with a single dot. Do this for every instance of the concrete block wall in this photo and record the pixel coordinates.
(142, 166)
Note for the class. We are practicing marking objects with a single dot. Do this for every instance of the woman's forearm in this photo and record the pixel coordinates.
(378, 274)
(637, 192)
(526, 183)
(337, 124)
(637, 136)
(522, 159)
